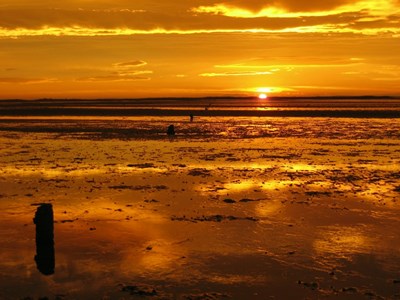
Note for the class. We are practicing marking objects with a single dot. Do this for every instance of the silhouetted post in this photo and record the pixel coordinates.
(191, 117)
(171, 130)
(45, 258)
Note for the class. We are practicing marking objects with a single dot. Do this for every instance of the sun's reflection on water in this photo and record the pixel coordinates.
(244, 185)
(268, 208)
(342, 241)
(70, 171)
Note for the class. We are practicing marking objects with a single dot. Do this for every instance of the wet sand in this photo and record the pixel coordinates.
(229, 208)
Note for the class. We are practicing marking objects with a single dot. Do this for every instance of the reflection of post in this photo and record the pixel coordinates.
(44, 258)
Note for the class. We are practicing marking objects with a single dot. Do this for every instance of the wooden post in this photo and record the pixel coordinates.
(45, 257)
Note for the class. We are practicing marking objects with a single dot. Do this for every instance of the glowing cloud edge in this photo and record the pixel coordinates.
(83, 31)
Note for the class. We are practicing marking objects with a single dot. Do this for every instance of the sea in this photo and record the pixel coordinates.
(282, 198)
(219, 118)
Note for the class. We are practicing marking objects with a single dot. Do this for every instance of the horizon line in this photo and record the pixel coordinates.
(337, 97)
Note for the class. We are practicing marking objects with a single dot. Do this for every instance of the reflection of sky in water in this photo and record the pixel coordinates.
(240, 186)
(118, 224)
(304, 167)
(217, 128)
(342, 241)
(268, 208)
(265, 185)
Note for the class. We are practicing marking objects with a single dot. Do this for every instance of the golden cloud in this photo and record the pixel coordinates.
(393, 31)
(296, 9)
(22, 80)
(135, 63)
(247, 73)
(120, 75)
(361, 17)
(288, 5)
(108, 78)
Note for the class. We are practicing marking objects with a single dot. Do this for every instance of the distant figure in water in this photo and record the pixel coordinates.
(171, 130)
(191, 117)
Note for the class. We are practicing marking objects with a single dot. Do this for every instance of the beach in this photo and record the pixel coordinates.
(290, 201)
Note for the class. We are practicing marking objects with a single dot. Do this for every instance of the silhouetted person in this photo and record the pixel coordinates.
(171, 130)
(191, 117)
(45, 258)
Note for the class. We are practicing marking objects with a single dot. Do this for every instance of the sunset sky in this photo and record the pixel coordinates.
(153, 48)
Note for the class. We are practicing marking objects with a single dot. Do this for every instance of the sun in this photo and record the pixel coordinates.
(262, 96)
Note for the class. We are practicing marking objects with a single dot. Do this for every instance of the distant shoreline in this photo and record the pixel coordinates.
(205, 113)
(335, 107)
(208, 98)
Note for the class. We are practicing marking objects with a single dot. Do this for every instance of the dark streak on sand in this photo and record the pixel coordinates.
(212, 218)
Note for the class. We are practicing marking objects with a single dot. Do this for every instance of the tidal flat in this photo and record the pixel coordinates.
(228, 208)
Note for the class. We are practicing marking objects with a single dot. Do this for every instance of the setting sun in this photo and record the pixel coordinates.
(262, 96)
(187, 147)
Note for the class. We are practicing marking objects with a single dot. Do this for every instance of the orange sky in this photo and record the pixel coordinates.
(153, 48)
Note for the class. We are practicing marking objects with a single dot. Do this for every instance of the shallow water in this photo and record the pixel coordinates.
(210, 128)
(246, 208)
